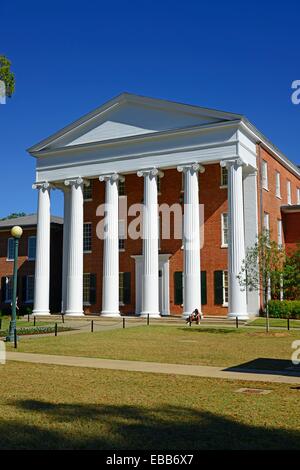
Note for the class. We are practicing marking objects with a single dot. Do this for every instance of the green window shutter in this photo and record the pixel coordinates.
(3, 288)
(218, 283)
(23, 297)
(93, 288)
(203, 288)
(178, 288)
(127, 288)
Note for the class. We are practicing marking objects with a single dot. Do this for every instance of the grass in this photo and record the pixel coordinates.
(22, 323)
(170, 344)
(55, 407)
(275, 322)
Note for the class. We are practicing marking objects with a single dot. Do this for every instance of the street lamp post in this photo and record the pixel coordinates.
(16, 233)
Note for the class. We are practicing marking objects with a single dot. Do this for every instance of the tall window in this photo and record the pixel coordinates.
(88, 191)
(224, 229)
(8, 288)
(289, 192)
(31, 247)
(10, 249)
(124, 288)
(298, 195)
(267, 221)
(89, 289)
(224, 176)
(225, 288)
(121, 187)
(264, 171)
(279, 232)
(87, 237)
(29, 288)
(278, 192)
(121, 234)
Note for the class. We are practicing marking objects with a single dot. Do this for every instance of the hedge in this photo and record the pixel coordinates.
(284, 308)
(37, 330)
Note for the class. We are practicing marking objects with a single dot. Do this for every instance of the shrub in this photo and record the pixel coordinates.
(284, 308)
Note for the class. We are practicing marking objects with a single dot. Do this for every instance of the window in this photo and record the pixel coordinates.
(264, 172)
(278, 192)
(121, 234)
(298, 195)
(8, 288)
(224, 176)
(266, 221)
(121, 187)
(10, 249)
(31, 247)
(178, 288)
(288, 190)
(124, 288)
(88, 192)
(225, 288)
(224, 229)
(279, 232)
(89, 289)
(87, 237)
(29, 288)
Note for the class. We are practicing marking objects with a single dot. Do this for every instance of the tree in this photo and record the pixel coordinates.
(262, 269)
(14, 215)
(7, 76)
(291, 275)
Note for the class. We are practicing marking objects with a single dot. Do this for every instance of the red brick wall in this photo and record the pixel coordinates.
(271, 203)
(213, 257)
(26, 267)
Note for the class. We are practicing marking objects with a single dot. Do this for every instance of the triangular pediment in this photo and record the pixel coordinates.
(131, 115)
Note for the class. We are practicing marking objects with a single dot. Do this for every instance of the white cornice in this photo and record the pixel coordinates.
(137, 138)
(259, 138)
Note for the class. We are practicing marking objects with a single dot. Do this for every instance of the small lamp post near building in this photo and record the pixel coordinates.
(16, 233)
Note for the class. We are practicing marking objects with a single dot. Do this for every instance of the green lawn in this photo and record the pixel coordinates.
(275, 322)
(22, 323)
(171, 344)
(54, 407)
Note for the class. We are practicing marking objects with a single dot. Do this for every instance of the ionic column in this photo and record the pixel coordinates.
(150, 292)
(191, 239)
(42, 259)
(66, 233)
(110, 287)
(237, 301)
(74, 267)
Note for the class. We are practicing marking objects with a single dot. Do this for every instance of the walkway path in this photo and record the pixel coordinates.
(291, 377)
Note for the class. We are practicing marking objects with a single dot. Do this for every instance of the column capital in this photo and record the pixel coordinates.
(151, 172)
(112, 177)
(77, 182)
(232, 161)
(42, 185)
(195, 166)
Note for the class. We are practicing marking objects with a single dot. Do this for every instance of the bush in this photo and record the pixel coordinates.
(284, 308)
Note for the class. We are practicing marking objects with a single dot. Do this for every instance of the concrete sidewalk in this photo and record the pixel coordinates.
(159, 368)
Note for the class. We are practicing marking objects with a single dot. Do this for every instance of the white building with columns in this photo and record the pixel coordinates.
(152, 151)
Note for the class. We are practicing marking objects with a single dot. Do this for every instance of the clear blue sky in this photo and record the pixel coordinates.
(70, 57)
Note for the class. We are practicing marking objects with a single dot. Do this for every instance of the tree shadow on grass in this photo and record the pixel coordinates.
(44, 425)
(212, 330)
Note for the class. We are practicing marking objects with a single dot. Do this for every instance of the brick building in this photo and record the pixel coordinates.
(26, 262)
(135, 150)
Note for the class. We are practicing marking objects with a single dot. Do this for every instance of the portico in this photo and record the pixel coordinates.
(138, 136)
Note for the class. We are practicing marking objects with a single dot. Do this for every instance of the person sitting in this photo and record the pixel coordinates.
(194, 316)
